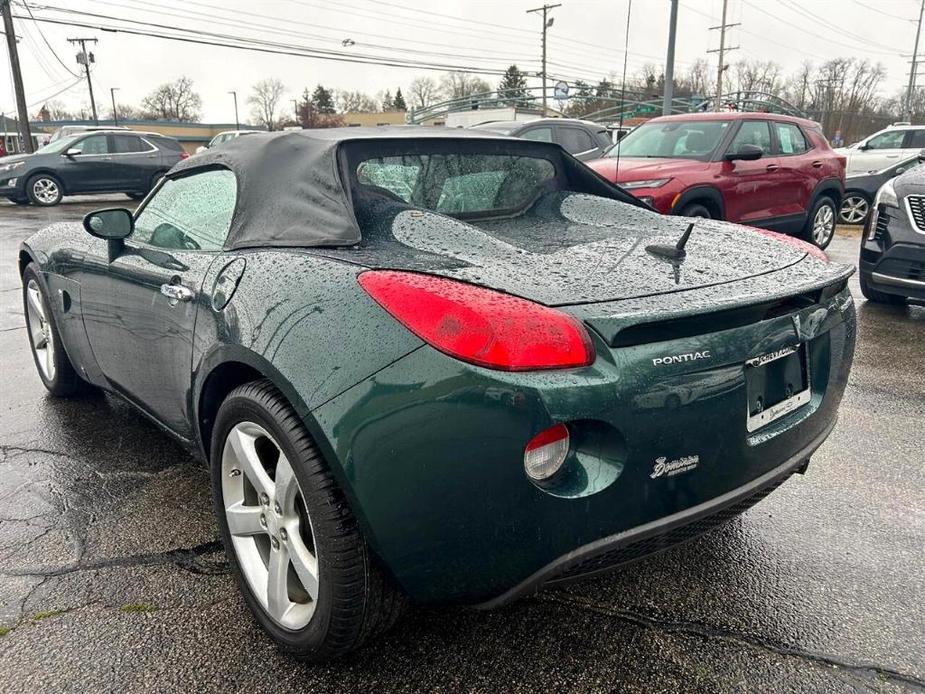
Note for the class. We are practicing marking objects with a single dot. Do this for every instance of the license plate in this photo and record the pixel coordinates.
(777, 384)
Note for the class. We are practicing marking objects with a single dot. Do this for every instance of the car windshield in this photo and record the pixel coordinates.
(672, 140)
(58, 145)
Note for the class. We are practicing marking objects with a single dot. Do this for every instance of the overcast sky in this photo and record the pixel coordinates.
(586, 40)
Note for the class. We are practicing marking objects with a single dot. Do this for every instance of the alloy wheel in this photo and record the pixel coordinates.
(40, 330)
(46, 190)
(854, 209)
(823, 225)
(270, 530)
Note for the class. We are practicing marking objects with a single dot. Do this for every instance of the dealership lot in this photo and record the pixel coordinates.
(112, 575)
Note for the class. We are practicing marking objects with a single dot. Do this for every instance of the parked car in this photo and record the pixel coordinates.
(224, 136)
(860, 189)
(761, 169)
(89, 163)
(68, 130)
(892, 257)
(12, 143)
(884, 148)
(582, 139)
(411, 357)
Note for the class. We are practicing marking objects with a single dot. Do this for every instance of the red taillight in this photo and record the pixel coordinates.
(184, 155)
(479, 325)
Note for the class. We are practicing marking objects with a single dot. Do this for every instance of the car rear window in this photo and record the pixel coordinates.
(124, 144)
(463, 184)
(167, 143)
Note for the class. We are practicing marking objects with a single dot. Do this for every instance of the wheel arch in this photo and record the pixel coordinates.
(222, 371)
(48, 172)
(828, 187)
(708, 196)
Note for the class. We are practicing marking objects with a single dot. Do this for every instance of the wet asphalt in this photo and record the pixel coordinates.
(111, 576)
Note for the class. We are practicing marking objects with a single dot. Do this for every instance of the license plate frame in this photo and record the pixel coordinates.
(776, 371)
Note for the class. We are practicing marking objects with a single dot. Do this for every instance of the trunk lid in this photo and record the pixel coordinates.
(574, 249)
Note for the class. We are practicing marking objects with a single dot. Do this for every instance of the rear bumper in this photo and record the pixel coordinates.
(429, 452)
(626, 547)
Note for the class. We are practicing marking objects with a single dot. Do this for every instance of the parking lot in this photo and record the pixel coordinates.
(113, 577)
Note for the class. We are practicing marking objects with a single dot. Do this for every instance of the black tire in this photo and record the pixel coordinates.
(695, 209)
(356, 600)
(44, 190)
(821, 240)
(64, 382)
(879, 297)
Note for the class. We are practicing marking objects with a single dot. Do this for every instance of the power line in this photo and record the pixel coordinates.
(881, 12)
(53, 52)
(248, 45)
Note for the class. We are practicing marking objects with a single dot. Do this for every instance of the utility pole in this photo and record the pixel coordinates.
(669, 59)
(237, 125)
(115, 114)
(22, 112)
(546, 24)
(721, 67)
(914, 70)
(84, 58)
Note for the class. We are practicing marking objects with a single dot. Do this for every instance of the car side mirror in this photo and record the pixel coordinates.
(900, 170)
(115, 223)
(73, 152)
(745, 153)
(864, 147)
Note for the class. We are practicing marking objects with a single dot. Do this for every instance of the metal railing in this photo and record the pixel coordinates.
(604, 109)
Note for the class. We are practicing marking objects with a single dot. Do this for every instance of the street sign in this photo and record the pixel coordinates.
(560, 91)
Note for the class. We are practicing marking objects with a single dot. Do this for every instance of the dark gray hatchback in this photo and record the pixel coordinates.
(119, 161)
(583, 139)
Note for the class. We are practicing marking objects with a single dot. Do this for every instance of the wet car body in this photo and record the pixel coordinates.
(429, 449)
(892, 255)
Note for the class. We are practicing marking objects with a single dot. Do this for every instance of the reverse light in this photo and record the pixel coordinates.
(478, 325)
(546, 452)
(649, 183)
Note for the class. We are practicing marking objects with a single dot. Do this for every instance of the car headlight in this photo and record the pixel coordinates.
(9, 167)
(650, 183)
(885, 196)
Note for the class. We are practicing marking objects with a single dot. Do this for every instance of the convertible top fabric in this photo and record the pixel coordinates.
(290, 192)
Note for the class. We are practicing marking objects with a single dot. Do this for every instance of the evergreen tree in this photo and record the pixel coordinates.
(387, 103)
(323, 100)
(399, 103)
(513, 86)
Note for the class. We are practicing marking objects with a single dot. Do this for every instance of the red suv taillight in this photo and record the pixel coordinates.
(184, 155)
(479, 325)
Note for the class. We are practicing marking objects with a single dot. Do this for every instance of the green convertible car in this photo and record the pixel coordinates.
(441, 366)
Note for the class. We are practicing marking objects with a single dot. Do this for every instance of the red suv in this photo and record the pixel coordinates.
(761, 169)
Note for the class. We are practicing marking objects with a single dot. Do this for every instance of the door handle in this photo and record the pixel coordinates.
(773, 167)
(176, 292)
(817, 164)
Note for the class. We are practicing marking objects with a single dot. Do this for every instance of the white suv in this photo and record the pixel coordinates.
(884, 148)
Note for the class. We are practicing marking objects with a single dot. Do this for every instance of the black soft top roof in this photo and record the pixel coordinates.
(290, 191)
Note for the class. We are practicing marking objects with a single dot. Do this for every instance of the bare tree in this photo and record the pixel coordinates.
(57, 110)
(173, 101)
(698, 79)
(126, 112)
(264, 99)
(458, 85)
(424, 91)
(756, 76)
(355, 102)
